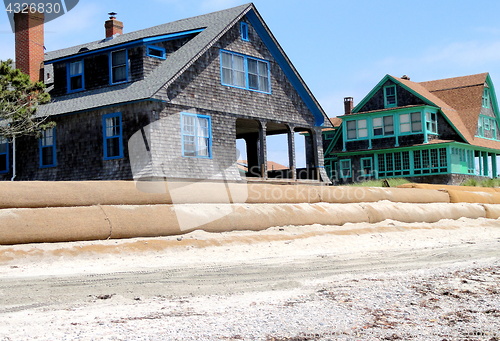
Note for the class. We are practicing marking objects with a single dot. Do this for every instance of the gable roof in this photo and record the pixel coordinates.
(458, 98)
(209, 28)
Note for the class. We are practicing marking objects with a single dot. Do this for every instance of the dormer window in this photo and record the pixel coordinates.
(119, 69)
(486, 98)
(156, 52)
(244, 31)
(390, 96)
(75, 76)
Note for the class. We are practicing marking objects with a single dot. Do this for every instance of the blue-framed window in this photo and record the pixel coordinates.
(357, 129)
(113, 136)
(118, 66)
(196, 135)
(410, 123)
(244, 31)
(366, 166)
(156, 52)
(4, 155)
(431, 122)
(345, 168)
(48, 156)
(486, 98)
(390, 99)
(245, 72)
(383, 126)
(76, 79)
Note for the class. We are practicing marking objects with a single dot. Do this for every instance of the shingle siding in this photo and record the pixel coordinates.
(404, 98)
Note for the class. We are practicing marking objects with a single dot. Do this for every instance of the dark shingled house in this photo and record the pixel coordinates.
(441, 131)
(170, 102)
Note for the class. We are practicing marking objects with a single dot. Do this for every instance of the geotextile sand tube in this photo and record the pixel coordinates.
(338, 194)
(457, 196)
(60, 224)
(128, 221)
(427, 213)
(492, 211)
(89, 193)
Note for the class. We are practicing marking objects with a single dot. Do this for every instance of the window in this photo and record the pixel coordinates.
(429, 161)
(351, 130)
(4, 155)
(394, 164)
(196, 135)
(362, 129)
(383, 126)
(390, 96)
(345, 168)
(245, 72)
(410, 123)
(48, 148)
(356, 129)
(156, 52)
(487, 127)
(244, 31)
(431, 118)
(113, 136)
(366, 166)
(119, 68)
(75, 76)
(486, 98)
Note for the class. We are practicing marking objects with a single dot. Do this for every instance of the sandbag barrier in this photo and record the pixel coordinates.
(37, 212)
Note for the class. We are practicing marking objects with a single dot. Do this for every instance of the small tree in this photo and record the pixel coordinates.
(19, 101)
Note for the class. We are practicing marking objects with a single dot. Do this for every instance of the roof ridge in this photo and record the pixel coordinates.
(456, 87)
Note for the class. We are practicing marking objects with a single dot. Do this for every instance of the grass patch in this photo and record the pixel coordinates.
(381, 183)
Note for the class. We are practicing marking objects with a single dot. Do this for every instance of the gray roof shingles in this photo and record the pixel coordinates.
(214, 24)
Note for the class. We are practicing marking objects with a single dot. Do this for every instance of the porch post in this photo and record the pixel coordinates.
(485, 164)
(263, 149)
(493, 165)
(291, 152)
(319, 155)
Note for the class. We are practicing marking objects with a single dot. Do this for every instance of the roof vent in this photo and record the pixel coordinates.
(405, 77)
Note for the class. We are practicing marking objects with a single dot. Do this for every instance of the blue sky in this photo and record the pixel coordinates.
(340, 47)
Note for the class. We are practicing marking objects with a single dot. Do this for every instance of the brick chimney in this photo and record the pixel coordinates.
(348, 105)
(113, 26)
(30, 49)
